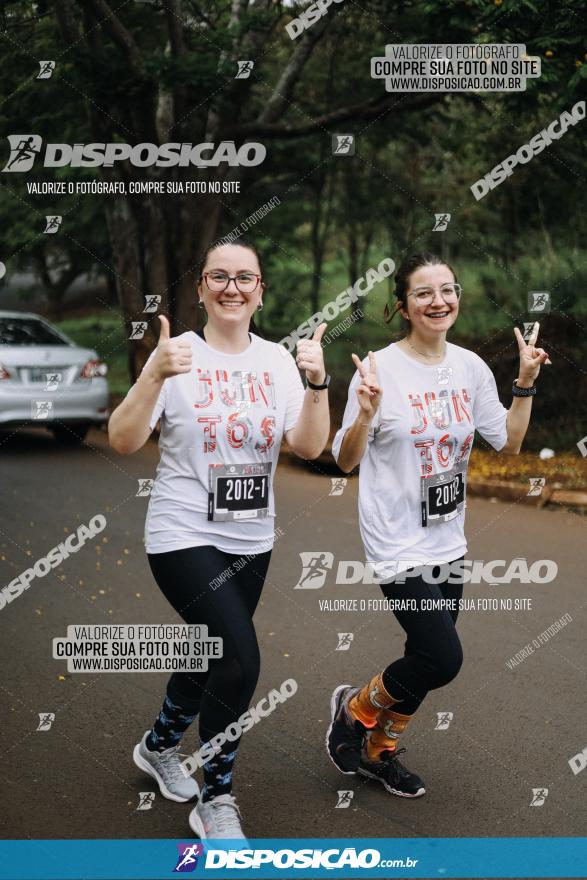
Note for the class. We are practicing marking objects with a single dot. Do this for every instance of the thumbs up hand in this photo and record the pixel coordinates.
(309, 356)
(172, 356)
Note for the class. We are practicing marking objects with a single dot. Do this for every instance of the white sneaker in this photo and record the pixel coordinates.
(165, 767)
(217, 818)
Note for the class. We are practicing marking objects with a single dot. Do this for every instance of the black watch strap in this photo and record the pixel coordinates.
(314, 387)
(523, 392)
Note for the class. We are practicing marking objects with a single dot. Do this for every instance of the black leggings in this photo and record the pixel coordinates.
(433, 654)
(221, 590)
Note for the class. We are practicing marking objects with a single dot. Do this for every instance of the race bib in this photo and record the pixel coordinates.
(443, 496)
(238, 491)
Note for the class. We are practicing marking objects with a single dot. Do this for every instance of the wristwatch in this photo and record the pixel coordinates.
(523, 392)
(314, 387)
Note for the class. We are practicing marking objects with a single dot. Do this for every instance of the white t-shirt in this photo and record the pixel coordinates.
(412, 478)
(231, 409)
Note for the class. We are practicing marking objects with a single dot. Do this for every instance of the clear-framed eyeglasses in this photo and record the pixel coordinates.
(424, 296)
(246, 282)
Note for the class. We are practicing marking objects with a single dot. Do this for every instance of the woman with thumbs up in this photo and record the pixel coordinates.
(412, 411)
(225, 398)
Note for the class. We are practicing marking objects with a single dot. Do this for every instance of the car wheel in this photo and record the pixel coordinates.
(72, 435)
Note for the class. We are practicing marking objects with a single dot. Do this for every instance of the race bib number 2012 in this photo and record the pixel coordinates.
(443, 496)
(238, 491)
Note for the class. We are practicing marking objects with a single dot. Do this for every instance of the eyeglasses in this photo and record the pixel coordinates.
(246, 282)
(424, 296)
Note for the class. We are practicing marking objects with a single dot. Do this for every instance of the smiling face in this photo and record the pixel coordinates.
(233, 304)
(438, 316)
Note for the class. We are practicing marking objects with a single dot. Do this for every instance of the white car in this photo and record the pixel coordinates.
(47, 380)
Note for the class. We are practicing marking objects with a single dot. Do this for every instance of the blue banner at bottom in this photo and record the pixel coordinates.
(287, 858)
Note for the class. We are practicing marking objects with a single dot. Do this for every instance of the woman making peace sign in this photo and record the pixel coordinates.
(412, 411)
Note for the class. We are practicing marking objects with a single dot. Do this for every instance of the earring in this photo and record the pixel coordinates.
(260, 306)
(201, 303)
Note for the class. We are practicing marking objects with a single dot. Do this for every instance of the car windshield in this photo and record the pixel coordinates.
(27, 331)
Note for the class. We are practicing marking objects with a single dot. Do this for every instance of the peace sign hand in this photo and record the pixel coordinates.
(531, 357)
(310, 357)
(369, 391)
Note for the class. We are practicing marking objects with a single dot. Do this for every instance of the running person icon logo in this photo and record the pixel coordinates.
(187, 860)
(344, 799)
(46, 719)
(443, 720)
(344, 641)
(315, 567)
(46, 69)
(52, 223)
(24, 150)
(539, 301)
(343, 145)
(244, 69)
(441, 222)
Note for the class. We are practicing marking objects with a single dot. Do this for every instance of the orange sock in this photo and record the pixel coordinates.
(371, 699)
(384, 737)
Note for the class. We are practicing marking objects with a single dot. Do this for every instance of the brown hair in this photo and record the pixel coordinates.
(241, 242)
(402, 279)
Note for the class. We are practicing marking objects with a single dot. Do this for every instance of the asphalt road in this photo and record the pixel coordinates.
(512, 731)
